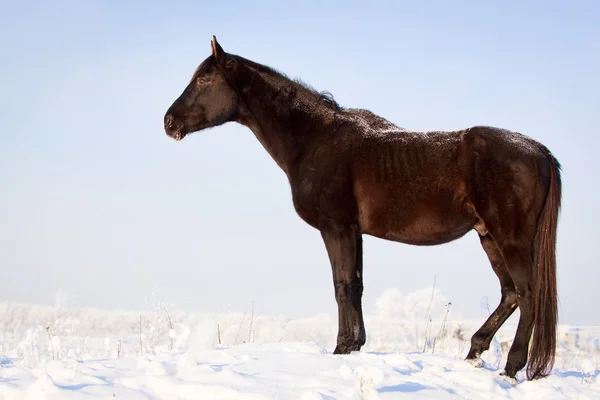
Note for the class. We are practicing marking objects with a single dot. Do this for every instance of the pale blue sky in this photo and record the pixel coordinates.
(96, 199)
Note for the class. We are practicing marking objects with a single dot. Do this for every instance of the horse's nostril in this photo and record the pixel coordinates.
(169, 121)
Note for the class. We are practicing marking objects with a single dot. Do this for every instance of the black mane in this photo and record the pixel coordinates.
(325, 96)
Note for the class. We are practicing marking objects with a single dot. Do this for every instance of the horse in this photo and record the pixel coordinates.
(354, 173)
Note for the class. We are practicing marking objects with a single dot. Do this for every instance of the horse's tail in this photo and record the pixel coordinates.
(543, 343)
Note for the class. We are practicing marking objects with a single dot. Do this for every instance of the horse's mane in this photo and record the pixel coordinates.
(324, 96)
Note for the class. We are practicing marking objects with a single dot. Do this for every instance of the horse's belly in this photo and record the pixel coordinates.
(435, 220)
(421, 230)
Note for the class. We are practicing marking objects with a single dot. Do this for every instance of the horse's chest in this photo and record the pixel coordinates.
(322, 202)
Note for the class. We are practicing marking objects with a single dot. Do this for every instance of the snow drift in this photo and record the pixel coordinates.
(414, 347)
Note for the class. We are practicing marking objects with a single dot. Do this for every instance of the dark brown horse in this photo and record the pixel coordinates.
(352, 172)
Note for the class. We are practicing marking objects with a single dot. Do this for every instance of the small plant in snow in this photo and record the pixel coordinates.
(428, 322)
(159, 330)
(459, 334)
(50, 344)
(442, 332)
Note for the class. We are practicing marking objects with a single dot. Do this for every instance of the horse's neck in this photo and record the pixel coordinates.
(267, 110)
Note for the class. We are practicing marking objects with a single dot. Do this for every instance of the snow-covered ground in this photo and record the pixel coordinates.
(67, 353)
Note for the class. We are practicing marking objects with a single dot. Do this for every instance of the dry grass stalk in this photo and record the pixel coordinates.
(428, 324)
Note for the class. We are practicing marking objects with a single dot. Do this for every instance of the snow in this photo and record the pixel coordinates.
(67, 353)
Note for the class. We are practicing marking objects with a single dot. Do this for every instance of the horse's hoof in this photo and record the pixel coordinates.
(341, 350)
(507, 378)
(346, 349)
(477, 362)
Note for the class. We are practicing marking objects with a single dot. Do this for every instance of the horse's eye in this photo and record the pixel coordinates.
(202, 81)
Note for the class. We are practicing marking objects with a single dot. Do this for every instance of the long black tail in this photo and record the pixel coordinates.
(543, 343)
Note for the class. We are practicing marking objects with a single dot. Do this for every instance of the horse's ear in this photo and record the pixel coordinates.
(217, 50)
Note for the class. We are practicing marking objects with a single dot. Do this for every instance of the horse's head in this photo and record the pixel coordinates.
(209, 99)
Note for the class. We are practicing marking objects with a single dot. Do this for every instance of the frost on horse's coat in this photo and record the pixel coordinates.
(352, 172)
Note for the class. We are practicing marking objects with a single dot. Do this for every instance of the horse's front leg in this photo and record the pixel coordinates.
(344, 246)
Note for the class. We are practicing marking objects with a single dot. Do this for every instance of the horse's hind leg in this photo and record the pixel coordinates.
(344, 247)
(481, 340)
(519, 260)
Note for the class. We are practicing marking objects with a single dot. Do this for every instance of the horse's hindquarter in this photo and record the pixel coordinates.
(410, 187)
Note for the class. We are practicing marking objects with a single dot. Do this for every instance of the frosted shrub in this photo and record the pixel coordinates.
(401, 321)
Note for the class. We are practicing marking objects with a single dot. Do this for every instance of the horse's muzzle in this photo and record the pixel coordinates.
(173, 128)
